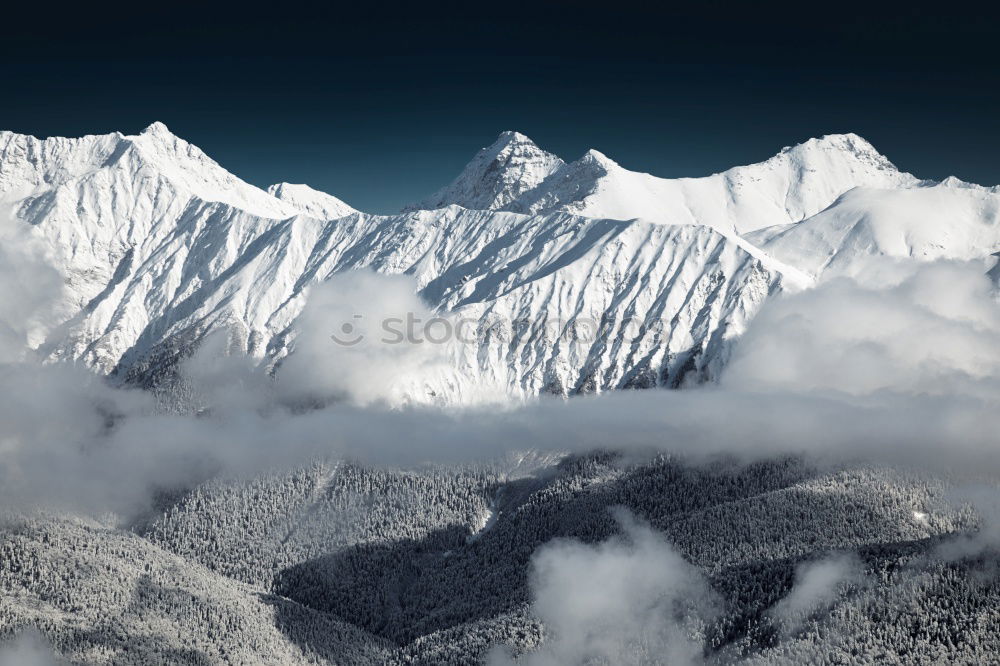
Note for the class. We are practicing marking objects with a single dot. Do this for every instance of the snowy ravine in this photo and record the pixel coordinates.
(158, 246)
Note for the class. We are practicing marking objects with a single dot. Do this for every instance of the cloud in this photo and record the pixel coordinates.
(219, 377)
(629, 600)
(817, 586)
(28, 648)
(922, 329)
(361, 338)
(901, 371)
(30, 289)
(57, 445)
(984, 500)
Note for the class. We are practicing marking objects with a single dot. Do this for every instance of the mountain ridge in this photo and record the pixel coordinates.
(596, 186)
(159, 246)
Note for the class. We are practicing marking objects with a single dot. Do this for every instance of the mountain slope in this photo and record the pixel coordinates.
(106, 596)
(667, 296)
(310, 202)
(948, 220)
(382, 567)
(158, 247)
(152, 267)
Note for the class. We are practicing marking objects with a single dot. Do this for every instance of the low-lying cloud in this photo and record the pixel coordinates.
(30, 291)
(985, 540)
(630, 600)
(922, 329)
(356, 342)
(902, 369)
(28, 648)
(818, 584)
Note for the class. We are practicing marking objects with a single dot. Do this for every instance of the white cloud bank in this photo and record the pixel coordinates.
(920, 329)
(905, 370)
(631, 600)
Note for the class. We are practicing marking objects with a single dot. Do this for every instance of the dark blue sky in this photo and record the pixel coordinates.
(383, 103)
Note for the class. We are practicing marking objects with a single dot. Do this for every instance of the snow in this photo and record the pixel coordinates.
(158, 246)
(797, 182)
(29, 166)
(496, 176)
(484, 522)
(926, 222)
(313, 203)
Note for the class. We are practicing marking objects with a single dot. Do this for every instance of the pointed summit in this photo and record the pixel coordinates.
(597, 157)
(190, 170)
(510, 136)
(510, 141)
(496, 176)
(157, 128)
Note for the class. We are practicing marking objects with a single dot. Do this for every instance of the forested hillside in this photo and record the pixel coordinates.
(341, 563)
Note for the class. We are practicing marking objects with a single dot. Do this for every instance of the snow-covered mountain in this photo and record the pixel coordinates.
(497, 176)
(797, 182)
(31, 169)
(947, 220)
(159, 246)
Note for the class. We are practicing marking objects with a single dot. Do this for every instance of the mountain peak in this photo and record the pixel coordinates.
(514, 174)
(511, 138)
(597, 157)
(845, 137)
(497, 175)
(508, 142)
(157, 128)
(849, 144)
